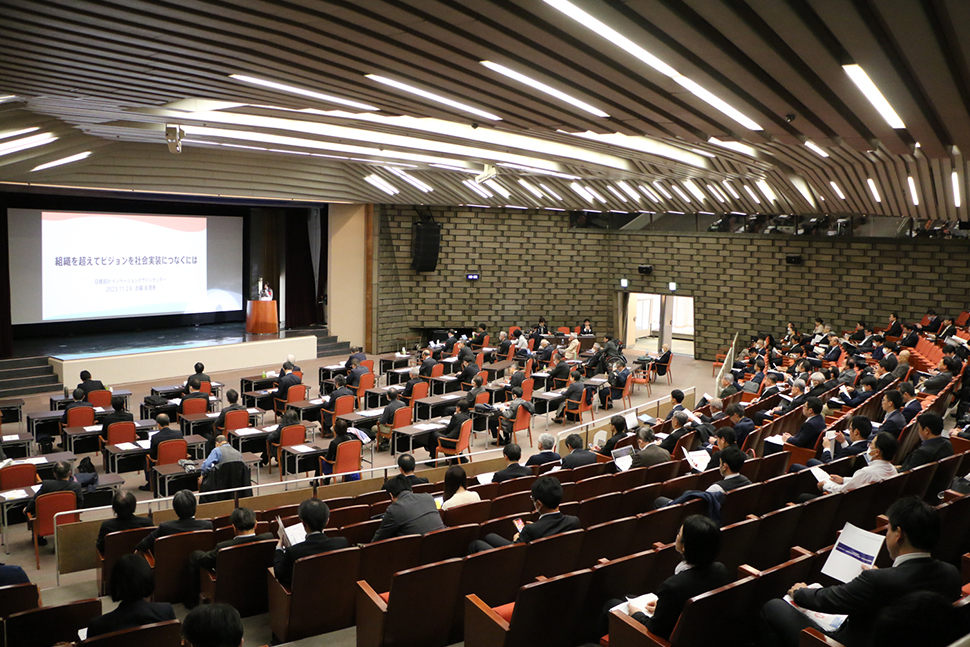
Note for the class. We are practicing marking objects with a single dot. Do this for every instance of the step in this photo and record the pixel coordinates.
(23, 362)
(326, 340)
(333, 349)
(31, 390)
(17, 382)
(31, 371)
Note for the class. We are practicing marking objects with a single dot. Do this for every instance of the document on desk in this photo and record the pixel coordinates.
(175, 401)
(126, 446)
(854, 549)
(144, 444)
(35, 460)
(93, 428)
(631, 420)
(777, 439)
(825, 621)
(448, 378)
(249, 432)
(317, 401)
(212, 415)
(428, 426)
(302, 448)
(334, 367)
(371, 412)
(99, 409)
(485, 478)
(450, 396)
(15, 494)
(9, 438)
(252, 410)
(640, 601)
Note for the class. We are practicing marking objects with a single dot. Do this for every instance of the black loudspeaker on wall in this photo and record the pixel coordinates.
(425, 241)
(793, 259)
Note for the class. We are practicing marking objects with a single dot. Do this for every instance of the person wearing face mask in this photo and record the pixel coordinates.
(881, 452)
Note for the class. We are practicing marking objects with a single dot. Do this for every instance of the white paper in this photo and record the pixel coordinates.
(830, 434)
(707, 396)
(428, 426)
(640, 601)
(252, 410)
(485, 478)
(270, 428)
(35, 460)
(12, 437)
(317, 401)
(93, 428)
(212, 415)
(291, 535)
(623, 463)
(332, 367)
(786, 397)
(540, 374)
(775, 440)
(15, 494)
(144, 444)
(272, 374)
(175, 401)
(302, 448)
(819, 474)
(825, 621)
(631, 420)
(247, 432)
(371, 412)
(698, 460)
(82, 633)
(450, 396)
(448, 378)
(855, 548)
(99, 409)
(126, 446)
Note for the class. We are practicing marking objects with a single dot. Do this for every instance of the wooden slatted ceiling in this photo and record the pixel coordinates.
(93, 70)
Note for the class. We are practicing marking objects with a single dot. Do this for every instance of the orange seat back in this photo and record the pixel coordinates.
(206, 387)
(80, 416)
(522, 420)
(419, 392)
(344, 404)
(121, 432)
(238, 419)
(487, 339)
(194, 405)
(564, 330)
(23, 475)
(297, 393)
(527, 386)
(482, 398)
(292, 435)
(369, 363)
(437, 370)
(172, 451)
(366, 382)
(402, 418)
(348, 456)
(480, 360)
(100, 398)
(50, 504)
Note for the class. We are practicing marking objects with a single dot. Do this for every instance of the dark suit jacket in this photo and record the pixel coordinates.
(332, 448)
(670, 442)
(548, 525)
(513, 471)
(468, 373)
(559, 371)
(796, 402)
(479, 338)
(387, 418)
(117, 416)
(339, 393)
(832, 353)
(949, 331)
(314, 544)
(730, 389)
(937, 383)
(90, 385)
(71, 405)
(894, 423)
(542, 458)
(196, 395)
(46, 487)
(863, 597)
(453, 430)
(578, 458)
(221, 420)
(168, 433)
(650, 455)
(426, 366)
(172, 527)
(129, 615)
(411, 514)
(661, 363)
(284, 384)
(933, 325)
(545, 354)
(574, 391)
(909, 340)
(409, 387)
(852, 449)
(353, 378)
(450, 344)
(809, 432)
(611, 442)
(733, 483)
(912, 409)
(208, 559)
(860, 396)
(931, 450)
(202, 378)
(741, 430)
(894, 329)
(115, 524)
(675, 409)
(673, 594)
(412, 479)
(503, 348)
(466, 353)
(360, 357)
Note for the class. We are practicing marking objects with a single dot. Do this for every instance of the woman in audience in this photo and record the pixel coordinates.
(791, 335)
(455, 492)
(132, 582)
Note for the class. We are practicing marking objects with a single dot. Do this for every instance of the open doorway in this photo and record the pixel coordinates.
(654, 319)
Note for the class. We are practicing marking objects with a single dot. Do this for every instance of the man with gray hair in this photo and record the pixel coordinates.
(223, 452)
(679, 424)
(591, 367)
(717, 410)
(546, 453)
(798, 400)
(504, 344)
(649, 452)
(727, 385)
(414, 379)
(818, 385)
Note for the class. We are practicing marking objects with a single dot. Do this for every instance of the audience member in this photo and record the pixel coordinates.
(546, 497)
(578, 455)
(12, 574)
(449, 436)
(243, 521)
(290, 417)
(212, 625)
(912, 407)
(575, 393)
(894, 420)
(223, 452)
(618, 427)
(512, 454)
(409, 513)
(326, 418)
(232, 397)
(314, 515)
(455, 493)
(881, 452)
(199, 375)
(117, 415)
(123, 504)
(545, 453)
(132, 584)
(342, 434)
(62, 481)
(87, 384)
(934, 445)
(184, 505)
(164, 433)
(649, 452)
(287, 379)
(814, 425)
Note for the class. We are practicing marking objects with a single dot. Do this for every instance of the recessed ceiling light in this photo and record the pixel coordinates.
(617, 193)
(382, 184)
(586, 195)
(677, 189)
(646, 145)
(477, 188)
(647, 192)
(17, 133)
(593, 192)
(456, 168)
(542, 87)
(838, 191)
(815, 147)
(734, 146)
(754, 196)
(912, 190)
(767, 190)
(531, 189)
(629, 190)
(872, 187)
(694, 190)
(704, 153)
(717, 194)
(64, 160)
(498, 188)
(540, 171)
(632, 48)
(956, 188)
(413, 181)
(513, 206)
(734, 194)
(7, 97)
(872, 93)
(282, 87)
(551, 192)
(17, 145)
(661, 188)
(434, 97)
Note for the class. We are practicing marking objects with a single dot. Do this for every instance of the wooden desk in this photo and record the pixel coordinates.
(398, 376)
(12, 408)
(116, 454)
(308, 409)
(390, 361)
(165, 474)
(262, 318)
(417, 430)
(257, 382)
(175, 390)
(448, 384)
(17, 445)
(59, 401)
(298, 456)
(492, 370)
(428, 405)
(331, 371)
(43, 420)
(262, 399)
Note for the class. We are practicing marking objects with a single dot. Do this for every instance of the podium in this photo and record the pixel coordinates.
(262, 318)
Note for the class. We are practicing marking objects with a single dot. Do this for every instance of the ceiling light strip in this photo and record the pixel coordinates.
(912, 190)
(433, 97)
(617, 193)
(542, 87)
(754, 196)
(838, 191)
(550, 192)
(872, 187)
(382, 184)
(17, 145)
(872, 93)
(62, 161)
(955, 181)
(815, 147)
(531, 189)
(282, 87)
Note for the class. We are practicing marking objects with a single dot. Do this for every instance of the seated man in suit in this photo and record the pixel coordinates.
(132, 583)
(118, 415)
(813, 426)
(243, 521)
(406, 465)
(731, 461)
(892, 405)
(592, 365)
(62, 481)
(87, 384)
(859, 394)
(414, 378)
(450, 435)
(546, 497)
(575, 392)
(479, 338)
(949, 366)
(123, 504)
(914, 529)
(723, 438)
(427, 363)
(902, 368)
(912, 407)
(356, 371)
(326, 418)
(450, 342)
(698, 541)
(648, 449)
(469, 369)
(578, 454)
(544, 353)
(728, 387)
(660, 363)
(194, 386)
(860, 429)
(409, 513)
(616, 380)
(586, 328)
(507, 412)
(465, 353)
(678, 424)
(558, 372)
(545, 454)
(909, 338)
(894, 329)
(882, 449)
(512, 454)
(386, 421)
(184, 505)
(164, 433)
(932, 324)
(232, 397)
(816, 386)
(79, 401)
(290, 417)
(798, 399)
(504, 344)
(356, 353)
(619, 432)
(677, 397)
(934, 445)
(287, 379)
(743, 425)
(199, 374)
(314, 515)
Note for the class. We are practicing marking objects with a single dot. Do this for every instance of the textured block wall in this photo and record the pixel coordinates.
(531, 263)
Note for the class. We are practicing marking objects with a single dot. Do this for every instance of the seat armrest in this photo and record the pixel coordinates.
(483, 627)
(279, 598)
(815, 638)
(371, 615)
(627, 632)
(746, 570)
(798, 551)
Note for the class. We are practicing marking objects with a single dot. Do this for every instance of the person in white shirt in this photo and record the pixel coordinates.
(880, 468)
(455, 493)
(572, 350)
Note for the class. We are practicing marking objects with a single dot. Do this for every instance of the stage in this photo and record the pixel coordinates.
(144, 355)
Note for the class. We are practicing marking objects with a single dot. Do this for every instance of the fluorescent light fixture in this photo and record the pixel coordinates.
(540, 171)
(875, 192)
(731, 190)
(679, 213)
(647, 192)
(575, 186)
(704, 153)
(872, 93)
(767, 190)
(662, 189)
(531, 189)
(17, 133)
(624, 283)
(837, 190)
(329, 98)
(646, 145)
(480, 190)
(672, 286)
(735, 146)
(434, 97)
(629, 191)
(512, 206)
(382, 184)
(413, 181)
(754, 196)
(815, 147)
(551, 192)
(456, 168)
(617, 193)
(678, 191)
(956, 188)
(694, 190)
(635, 50)
(7, 97)
(68, 160)
(593, 192)
(717, 194)
(912, 190)
(498, 188)
(542, 87)
(17, 145)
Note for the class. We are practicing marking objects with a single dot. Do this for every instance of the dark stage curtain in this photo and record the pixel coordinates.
(6, 329)
(301, 288)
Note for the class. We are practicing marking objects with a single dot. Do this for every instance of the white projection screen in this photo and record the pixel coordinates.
(72, 266)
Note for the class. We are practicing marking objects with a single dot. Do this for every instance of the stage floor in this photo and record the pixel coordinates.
(142, 341)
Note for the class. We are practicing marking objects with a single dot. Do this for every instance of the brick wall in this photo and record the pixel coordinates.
(531, 263)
